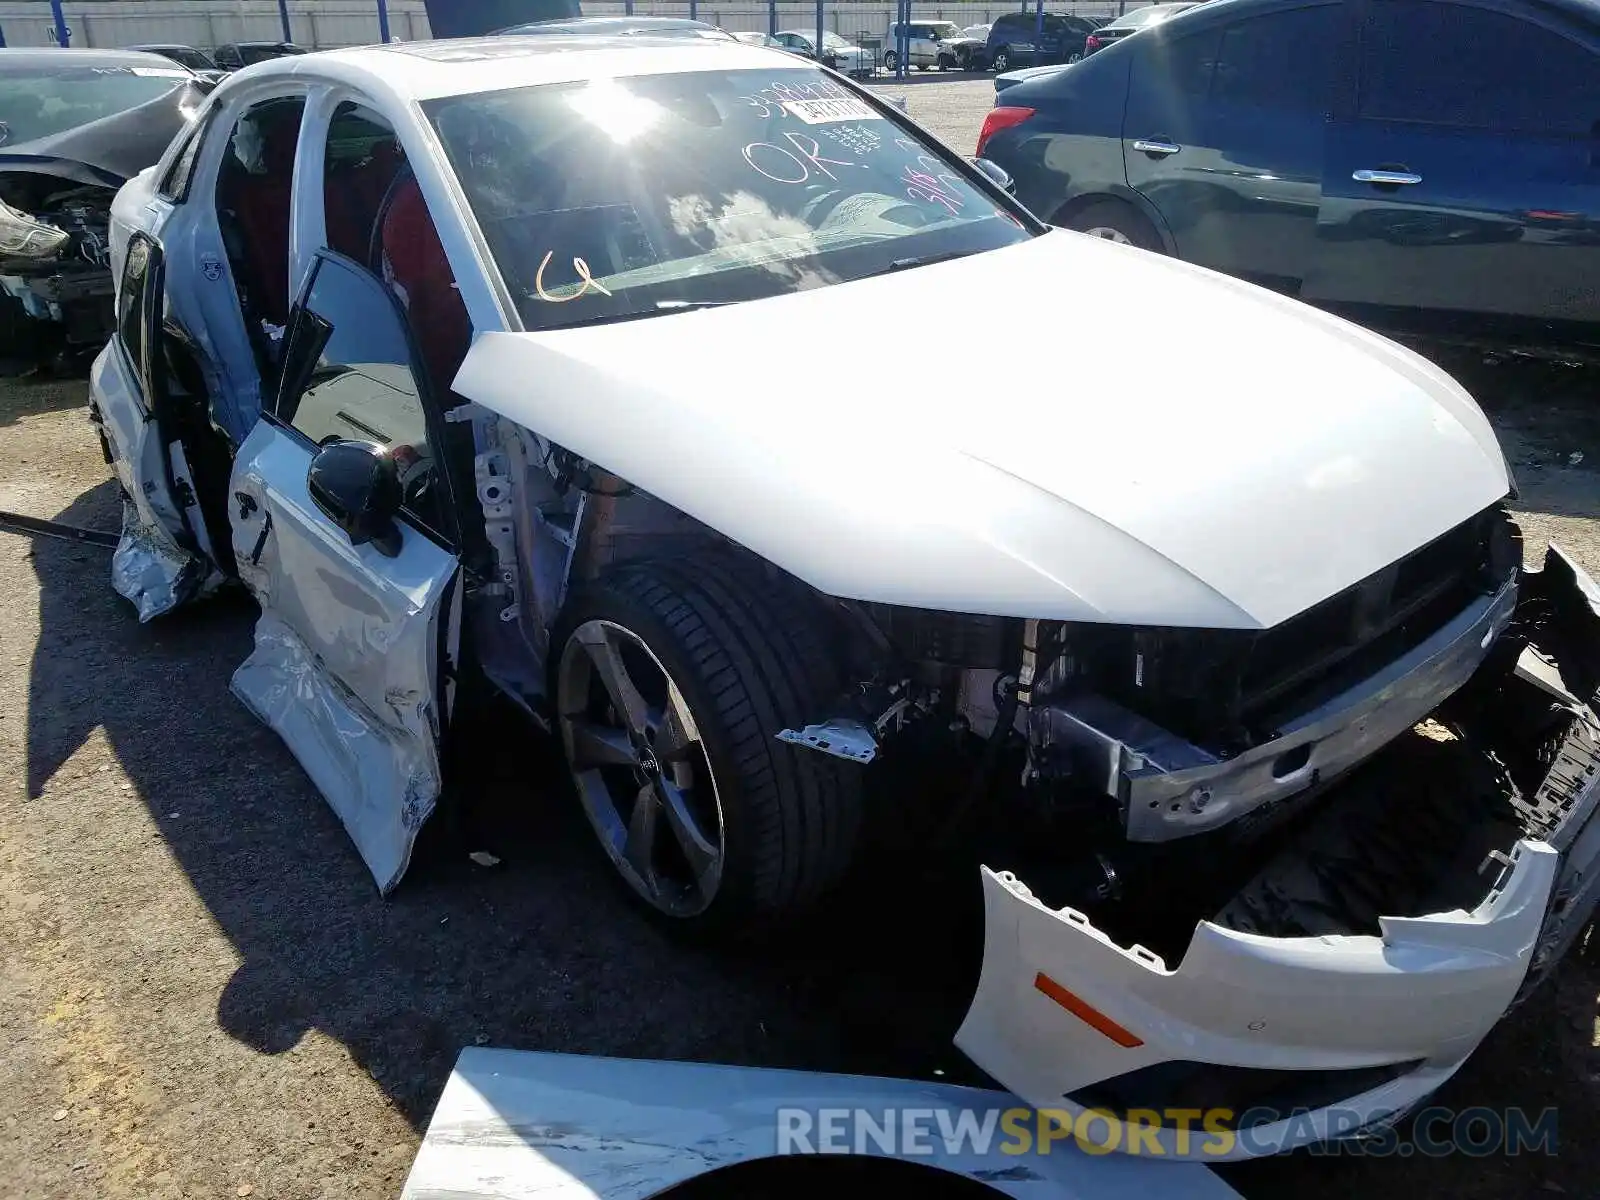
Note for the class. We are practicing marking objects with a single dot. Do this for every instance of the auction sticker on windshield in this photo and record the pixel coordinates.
(820, 112)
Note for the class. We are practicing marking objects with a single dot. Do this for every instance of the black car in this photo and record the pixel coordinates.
(75, 125)
(1018, 39)
(234, 56)
(198, 61)
(1429, 167)
(1114, 30)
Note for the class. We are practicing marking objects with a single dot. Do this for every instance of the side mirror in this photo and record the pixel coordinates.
(357, 485)
(996, 174)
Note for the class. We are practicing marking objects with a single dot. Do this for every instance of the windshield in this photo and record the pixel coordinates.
(832, 41)
(945, 30)
(195, 60)
(260, 54)
(39, 103)
(615, 198)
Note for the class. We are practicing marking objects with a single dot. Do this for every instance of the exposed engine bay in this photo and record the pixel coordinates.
(55, 261)
(1378, 755)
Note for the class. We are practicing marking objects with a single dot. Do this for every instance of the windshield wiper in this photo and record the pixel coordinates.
(661, 309)
(917, 260)
(666, 306)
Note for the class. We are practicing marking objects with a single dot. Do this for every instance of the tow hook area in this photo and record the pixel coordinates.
(841, 737)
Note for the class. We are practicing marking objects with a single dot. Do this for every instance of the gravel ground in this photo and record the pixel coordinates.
(201, 993)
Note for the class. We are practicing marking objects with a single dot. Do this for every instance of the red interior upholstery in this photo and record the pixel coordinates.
(352, 196)
(262, 203)
(414, 263)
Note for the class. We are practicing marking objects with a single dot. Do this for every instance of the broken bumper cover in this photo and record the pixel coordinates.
(1278, 1042)
(1378, 1022)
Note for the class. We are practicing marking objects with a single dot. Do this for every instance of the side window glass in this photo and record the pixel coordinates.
(1176, 71)
(1283, 61)
(130, 302)
(360, 162)
(1456, 65)
(350, 377)
(174, 185)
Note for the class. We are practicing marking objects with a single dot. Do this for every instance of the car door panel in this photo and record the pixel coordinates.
(1496, 118)
(164, 557)
(1224, 136)
(353, 650)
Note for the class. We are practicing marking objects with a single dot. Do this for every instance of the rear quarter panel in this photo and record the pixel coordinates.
(1072, 146)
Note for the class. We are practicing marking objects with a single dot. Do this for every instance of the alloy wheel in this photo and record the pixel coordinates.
(1110, 234)
(640, 768)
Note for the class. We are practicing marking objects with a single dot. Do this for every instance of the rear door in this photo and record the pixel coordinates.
(1224, 135)
(165, 555)
(354, 650)
(1463, 184)
(1013, 34)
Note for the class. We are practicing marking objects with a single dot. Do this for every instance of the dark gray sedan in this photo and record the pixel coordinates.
(1428, 167)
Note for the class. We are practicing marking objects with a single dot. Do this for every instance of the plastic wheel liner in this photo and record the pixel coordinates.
(1287, 1041)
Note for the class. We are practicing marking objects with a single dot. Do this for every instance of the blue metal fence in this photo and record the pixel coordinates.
(867, 22)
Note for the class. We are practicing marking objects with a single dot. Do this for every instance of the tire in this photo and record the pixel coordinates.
(946, 63)
(922, 66)
(1001, 62)
(741, 656)
(1117, 222)
(891, 60)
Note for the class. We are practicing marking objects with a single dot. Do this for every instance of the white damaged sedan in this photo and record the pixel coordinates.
(475, 363)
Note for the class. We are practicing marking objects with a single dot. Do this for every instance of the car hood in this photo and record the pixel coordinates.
(112, 150)
(1146, 442)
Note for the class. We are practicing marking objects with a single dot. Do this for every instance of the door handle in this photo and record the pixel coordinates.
(1385, 178)
(1159, 147)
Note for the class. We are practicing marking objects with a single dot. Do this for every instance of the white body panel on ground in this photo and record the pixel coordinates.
(514, 1125)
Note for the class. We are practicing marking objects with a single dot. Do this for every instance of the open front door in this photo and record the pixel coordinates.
(165, 556)
(344, 529)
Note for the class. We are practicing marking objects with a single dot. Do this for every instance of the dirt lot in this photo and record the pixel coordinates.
(201, 993)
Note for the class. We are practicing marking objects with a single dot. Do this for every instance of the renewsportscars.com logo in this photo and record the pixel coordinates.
(1192, 1132)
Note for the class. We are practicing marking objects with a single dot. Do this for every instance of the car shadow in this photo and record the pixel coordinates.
(1548, 422)
(539, 952)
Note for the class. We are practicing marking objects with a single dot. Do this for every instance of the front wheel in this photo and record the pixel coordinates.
(1002, 62)
(946, 63)
(673, 680)
(891, 61)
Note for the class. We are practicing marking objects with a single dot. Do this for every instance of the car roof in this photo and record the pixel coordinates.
(55, 57)
(414, 71)
(1141, 16)
(603, 24)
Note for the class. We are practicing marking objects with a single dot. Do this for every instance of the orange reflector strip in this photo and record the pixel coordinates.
(1092, 1017)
